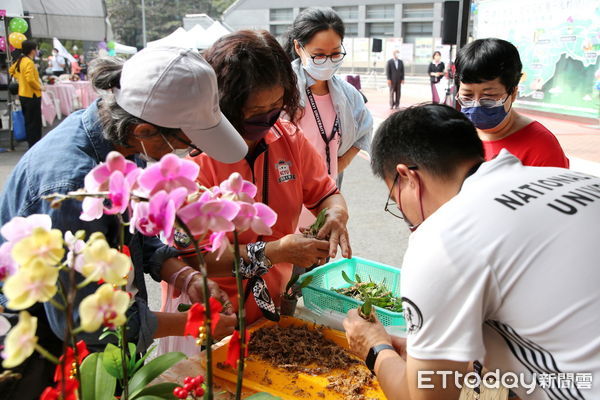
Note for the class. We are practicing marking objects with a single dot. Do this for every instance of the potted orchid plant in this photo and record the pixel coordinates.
(153, 201)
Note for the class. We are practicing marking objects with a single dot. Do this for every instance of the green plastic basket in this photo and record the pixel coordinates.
(318, 296)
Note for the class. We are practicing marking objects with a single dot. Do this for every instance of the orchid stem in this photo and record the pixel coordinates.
(241, 316)
(57, 305)
(207, 321)
(47, 355)
(123, 328)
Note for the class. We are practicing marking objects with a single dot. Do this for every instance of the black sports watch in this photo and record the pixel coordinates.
(374, 352)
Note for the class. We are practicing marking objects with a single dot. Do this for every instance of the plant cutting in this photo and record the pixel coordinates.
(289, 299)
(372, 293)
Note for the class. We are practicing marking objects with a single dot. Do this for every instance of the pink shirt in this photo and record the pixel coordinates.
(309, 127)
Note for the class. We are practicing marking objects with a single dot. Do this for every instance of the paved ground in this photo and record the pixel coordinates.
(375, 234)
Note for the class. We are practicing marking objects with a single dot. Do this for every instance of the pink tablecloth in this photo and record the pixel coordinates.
(72, 95)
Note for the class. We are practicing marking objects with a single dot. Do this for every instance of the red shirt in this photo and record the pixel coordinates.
(296, 177)
(533, 144)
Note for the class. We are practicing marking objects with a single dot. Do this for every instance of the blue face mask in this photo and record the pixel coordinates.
(485, 117)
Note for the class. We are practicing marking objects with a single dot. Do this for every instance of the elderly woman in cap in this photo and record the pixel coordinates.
(159, 101)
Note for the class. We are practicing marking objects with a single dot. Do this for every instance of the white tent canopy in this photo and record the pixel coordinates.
(197, 37)
(122, 49)
(68, 19)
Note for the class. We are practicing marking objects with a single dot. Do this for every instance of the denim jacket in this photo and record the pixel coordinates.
(355, 119)
(58, 164)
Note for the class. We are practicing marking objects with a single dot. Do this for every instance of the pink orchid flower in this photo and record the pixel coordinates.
(258, 217)
(97, 178)
(238, 189)
(206, 215)
(219, 242)
(169, 173)
(118, 193)
(117, 175)
(158, 214)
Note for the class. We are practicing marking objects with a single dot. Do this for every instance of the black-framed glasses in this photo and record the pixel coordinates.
(320, 59)
(390, 205)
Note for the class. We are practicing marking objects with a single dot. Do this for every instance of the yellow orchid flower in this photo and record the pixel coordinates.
(31, 284)
(103, 262)
(42, 245)
(105, 307)
(20, 341)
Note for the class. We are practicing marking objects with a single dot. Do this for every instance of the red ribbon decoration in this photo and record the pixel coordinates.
(197, 314)
(67, 359)
(233, 348)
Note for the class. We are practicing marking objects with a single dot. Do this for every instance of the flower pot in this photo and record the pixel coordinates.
(288, 306)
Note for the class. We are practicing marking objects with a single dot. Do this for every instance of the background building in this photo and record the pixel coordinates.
(417, 22)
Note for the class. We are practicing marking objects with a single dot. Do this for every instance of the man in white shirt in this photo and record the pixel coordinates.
(58, 63)
(503, 267)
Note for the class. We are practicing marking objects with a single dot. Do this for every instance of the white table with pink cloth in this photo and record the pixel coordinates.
(64, 97)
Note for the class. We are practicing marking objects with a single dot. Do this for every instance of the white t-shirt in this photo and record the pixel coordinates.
(507, 272)
(58, 63)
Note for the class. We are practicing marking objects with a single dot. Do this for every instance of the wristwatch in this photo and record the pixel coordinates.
(374, 352)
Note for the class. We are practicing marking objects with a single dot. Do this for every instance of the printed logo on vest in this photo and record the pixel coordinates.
(285, 173)
(412, 315)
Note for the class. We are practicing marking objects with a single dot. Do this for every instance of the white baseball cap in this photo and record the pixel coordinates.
(176, 88)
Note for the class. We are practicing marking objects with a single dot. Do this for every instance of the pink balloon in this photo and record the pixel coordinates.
(2, 43)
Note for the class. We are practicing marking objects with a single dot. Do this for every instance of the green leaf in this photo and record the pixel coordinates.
(149, 398)
(161, 390)
(347, 278)
(306, 282)
(111, 360)
(96, 382)
(107, 332)
(154, 368)
(291, 282)
(319, 222)
(132, 357)
(183, 307)
(367, 308)
(143, 359)
(358, 278)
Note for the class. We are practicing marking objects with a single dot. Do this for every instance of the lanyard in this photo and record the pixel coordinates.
(334, 131)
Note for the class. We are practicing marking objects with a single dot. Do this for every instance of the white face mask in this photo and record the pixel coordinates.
(323, 72)
(178, 152)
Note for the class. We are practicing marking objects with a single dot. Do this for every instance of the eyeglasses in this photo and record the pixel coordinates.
(320, 59)
(486, 102)
(196, 151)
(391, 206)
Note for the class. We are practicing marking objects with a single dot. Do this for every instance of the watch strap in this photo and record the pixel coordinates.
(374, 352)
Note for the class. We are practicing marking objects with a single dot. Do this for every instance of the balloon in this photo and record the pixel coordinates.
(102, 45)
(2, 43)
(112, 52)
(16, 39)
(18, 25)
(111, 45)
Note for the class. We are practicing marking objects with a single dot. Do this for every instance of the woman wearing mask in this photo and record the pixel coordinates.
(256, 84)
(30, 91)
(436, 72)
(488, 72)
(335, 118)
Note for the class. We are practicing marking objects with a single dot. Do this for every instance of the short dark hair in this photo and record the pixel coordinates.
(487, 59)
(246, 61)
(310, 22)
(434, 137)
(436, 52)
(28, 46)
